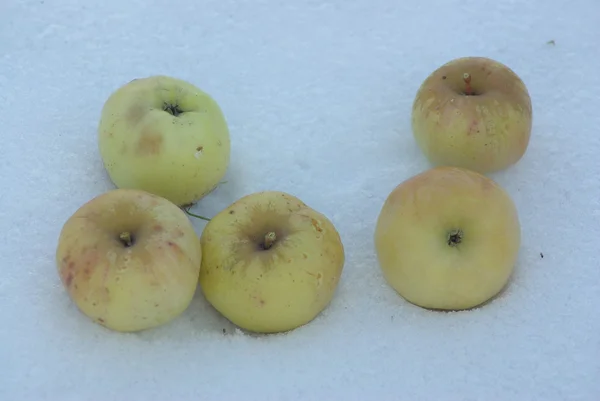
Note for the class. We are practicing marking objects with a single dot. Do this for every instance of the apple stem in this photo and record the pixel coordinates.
(195, 215)
(467, 79)
(126, 238)
(270, 239)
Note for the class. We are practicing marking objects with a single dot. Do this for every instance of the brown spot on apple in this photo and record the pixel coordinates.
(174, 246)
(258, 299)
(66, 271)
(134, 114)
(69, 279)
(89, 260)
(316, 225)
(473, 127)
(150, 142)
(158, 227)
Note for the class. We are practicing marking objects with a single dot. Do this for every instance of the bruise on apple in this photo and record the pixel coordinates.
(135, 114)
(150, 142)
(79, 269)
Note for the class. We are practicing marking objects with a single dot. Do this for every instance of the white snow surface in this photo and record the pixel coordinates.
(317, 95)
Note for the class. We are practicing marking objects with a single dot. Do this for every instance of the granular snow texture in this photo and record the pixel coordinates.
(317, 95)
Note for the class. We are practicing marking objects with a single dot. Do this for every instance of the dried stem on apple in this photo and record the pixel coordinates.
(270, 239)
(126, 239)
(467, 79)
(455, 237)
(185, 209)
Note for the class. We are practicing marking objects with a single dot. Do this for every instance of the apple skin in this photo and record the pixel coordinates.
(412, 232)
(485, 132)
(143, 146)
(273, 290)
(129, 288)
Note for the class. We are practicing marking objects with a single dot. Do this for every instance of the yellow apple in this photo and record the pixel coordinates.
(129, 260)
(270, 262)
(473, 112)
(448, 238)
(165, 136)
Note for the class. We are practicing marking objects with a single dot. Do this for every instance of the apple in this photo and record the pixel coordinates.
(270, 262)
(448, 238)
(165, 136)
(473, 112)
(129, 260)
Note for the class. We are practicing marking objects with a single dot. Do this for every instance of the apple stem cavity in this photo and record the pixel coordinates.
(126, 239)
(455, 237)
(172, 109)
(468, 89)
(270, 239)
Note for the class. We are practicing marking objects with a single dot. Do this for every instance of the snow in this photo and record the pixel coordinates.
(317, 95)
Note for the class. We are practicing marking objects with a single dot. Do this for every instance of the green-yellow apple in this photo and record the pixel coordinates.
(165, 136)
(473, 112)
(129, 260)
(448, 238)
(270, 262)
